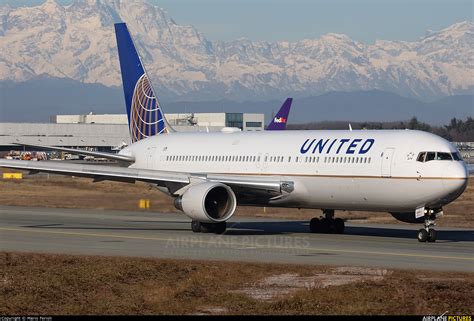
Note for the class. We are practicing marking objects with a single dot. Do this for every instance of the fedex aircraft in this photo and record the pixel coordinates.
(409, 174)
(279, 121)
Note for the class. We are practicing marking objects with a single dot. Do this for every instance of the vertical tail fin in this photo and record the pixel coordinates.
(145, 116)
(279, 121)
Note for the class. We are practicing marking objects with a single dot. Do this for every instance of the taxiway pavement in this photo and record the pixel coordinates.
(149, 234)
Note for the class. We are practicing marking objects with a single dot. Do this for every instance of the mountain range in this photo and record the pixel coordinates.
(76, 43)
(38, 100)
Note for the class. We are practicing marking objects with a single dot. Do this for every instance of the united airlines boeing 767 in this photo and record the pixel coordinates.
(410, 174)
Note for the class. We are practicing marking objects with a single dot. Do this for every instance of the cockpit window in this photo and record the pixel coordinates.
(421, 157)
(456, 156)
(429, 156)
(443, 156)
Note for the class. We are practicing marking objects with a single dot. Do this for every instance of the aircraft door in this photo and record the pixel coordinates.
(264, 162)
(258, 163)
(150, 157)
(387, 157)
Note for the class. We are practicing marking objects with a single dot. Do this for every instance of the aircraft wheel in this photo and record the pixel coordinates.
(432, 236)
(314, 225)
(325, 226)
(339, 226)
(196, 226)
(220, 228)
(207, 227)
(422, 235)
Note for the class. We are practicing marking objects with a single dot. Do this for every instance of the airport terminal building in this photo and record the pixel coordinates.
(110, 132)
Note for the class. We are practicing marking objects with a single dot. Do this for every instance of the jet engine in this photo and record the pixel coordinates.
(408, 217)
(208, 202)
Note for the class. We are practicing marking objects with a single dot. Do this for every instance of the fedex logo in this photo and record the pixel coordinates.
(279, 120)
(339, 146)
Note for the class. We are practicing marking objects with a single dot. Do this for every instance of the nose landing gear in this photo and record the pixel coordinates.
(428, 234)
(327, 224)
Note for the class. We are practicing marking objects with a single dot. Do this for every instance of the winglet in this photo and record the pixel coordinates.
(145, 116)
(279, 121)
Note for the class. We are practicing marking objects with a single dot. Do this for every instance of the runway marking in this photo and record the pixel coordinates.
(243, 244)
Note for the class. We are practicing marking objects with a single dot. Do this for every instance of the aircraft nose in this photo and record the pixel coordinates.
(457, 175)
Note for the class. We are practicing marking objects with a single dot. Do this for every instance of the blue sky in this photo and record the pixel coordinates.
(362, 20)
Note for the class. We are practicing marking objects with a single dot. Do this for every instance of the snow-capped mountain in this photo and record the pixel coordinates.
(78, 42)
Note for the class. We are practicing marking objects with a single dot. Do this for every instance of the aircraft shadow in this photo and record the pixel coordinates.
(276, 228)
(291, 227)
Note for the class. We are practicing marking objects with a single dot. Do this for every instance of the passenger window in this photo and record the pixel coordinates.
(430, 156)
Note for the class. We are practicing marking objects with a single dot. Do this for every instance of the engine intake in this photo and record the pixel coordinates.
(208, 202)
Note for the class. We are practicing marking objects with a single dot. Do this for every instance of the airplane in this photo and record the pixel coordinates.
(279, 121)
(409, 174)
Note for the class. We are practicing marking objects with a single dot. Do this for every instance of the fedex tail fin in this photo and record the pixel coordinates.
(145, 116)
(279, 121)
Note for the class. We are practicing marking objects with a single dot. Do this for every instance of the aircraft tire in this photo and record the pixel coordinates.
(339, 226)
(314, 225)
(325, 226)
(220, 228)
(432, 236)
(422, 235)
(207, 227)
(196, 226)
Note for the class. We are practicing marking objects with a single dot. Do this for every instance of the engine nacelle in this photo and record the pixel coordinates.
(408, 217)
(208, 202)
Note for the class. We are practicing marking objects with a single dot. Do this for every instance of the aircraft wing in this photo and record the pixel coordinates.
(266, 187)
(116, 157)
(98, 172)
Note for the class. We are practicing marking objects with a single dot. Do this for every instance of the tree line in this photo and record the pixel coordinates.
(456, 130)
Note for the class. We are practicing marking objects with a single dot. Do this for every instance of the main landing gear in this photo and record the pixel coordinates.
(217, 228)
(327, 224)
(428, 234)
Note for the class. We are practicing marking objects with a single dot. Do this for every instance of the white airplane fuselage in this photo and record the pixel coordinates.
(370, 170)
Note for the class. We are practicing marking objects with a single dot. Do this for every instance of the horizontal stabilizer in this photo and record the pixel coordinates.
(116, 157)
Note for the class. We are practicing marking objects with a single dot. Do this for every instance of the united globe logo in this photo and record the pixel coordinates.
(145, 114)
